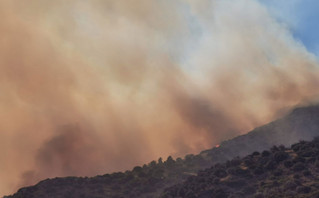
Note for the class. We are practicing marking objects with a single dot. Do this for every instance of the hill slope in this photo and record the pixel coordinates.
(280, 172)
(300, 124)
(151, 179)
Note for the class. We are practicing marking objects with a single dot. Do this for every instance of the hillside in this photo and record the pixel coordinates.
(151, 179)
(280, 172)
(146, 181)
(300, 124)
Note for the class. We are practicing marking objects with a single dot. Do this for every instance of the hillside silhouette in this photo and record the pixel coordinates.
(279, 172)
(151, 180)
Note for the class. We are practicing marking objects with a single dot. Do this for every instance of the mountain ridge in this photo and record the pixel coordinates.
(278, 172)
(151, 179)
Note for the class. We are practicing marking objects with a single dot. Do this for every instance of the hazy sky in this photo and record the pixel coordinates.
(301, 16)
(89, 87)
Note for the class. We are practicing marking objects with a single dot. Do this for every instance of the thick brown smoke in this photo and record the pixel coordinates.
(89, 87)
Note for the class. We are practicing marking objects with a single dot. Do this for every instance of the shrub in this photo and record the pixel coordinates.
(303, 189)
(238, 171)
(220, 173)
(249, 162)
(298, 182)
(274, 149)
(235, 162)
(298, 167)
(220, 193)
(290, 185)
(311, 160)
(265, 153)
(236, 183)
(280, 156)
(299, 159)
(295, 147)
(170, 161)
(271, 165)
(216, 181)
(296, 176)
(282, 147)
(258, 171)
(137, 169)
(259, 195)
(208, 193)
(306, 173)
(278, 172)
(255, 153)
(288, 164)
(190, 194)
(306, 153)
(248, 190)
(152, 163)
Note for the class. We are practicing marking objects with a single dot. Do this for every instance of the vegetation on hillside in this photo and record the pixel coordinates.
(280, 172)
(143, 181)
(151, 179)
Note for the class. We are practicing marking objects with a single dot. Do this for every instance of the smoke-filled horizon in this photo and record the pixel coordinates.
(89, 87)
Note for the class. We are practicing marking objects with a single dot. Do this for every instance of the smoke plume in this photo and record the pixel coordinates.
(89, 87)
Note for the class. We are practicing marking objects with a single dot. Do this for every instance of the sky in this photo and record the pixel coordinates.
(301, 17)
(90, 87)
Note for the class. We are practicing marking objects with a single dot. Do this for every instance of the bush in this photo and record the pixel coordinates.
(303, 189)
(306, 173)
(306, 153)
(190, 194)
(170, 161)
(298, 167)
(216, 181)
(278, 172)
(258, 171)
(137, 169)
(235, 162)
(311, 160)
(238, 171)
(290, 185)
(295, 147)
(288, 164)
(248, 190)
(236, 183)
(280, 156)
(249, 162)
(296, 176)
(299, 159)
(271, 165)
(265, 153)
(220, 193)
(220, 173)
(256, 153)
(259, 195)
